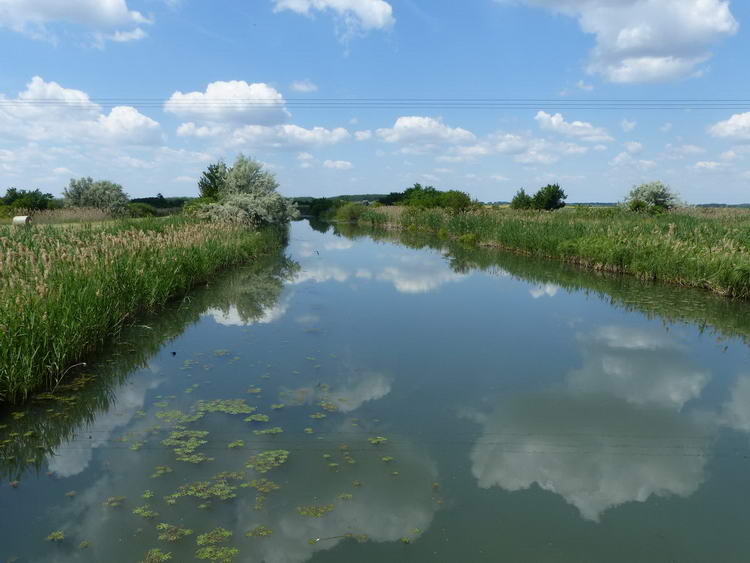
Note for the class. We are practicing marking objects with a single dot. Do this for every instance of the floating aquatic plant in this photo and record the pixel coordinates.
(309, 431)
(254, 390)
(178, 417)
(259, 532)
(258, 418)
(328, 406)
(315, 511)
(267, 460)
(377, 441)
(156, 556)
(221, 353)
(220, 554)
(346, 496)
(84, 544)
(218, 487)
(137, 445)
(145, 511)
(185, 442)
(269, 431)
(264, 485)
(386, 459)
(318, 415)
(114, 502)
(217, 535)
(168, 532)
(228, 406)
(71, 494)
(147, 494)
(161, 470)
(56, 536)
(236, 444)
(278, 406)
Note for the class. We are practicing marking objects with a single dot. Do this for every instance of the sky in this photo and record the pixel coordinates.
(349, 96)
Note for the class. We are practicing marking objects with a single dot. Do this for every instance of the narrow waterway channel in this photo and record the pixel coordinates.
(421, 401)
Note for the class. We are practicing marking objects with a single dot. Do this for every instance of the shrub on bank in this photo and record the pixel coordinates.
(102, 194)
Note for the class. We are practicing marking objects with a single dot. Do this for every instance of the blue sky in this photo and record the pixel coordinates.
(148, 92)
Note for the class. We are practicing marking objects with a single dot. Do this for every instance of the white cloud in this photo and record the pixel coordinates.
(304, 86)
(338, 164)
(499, 178)
(626, 160)
(579, 129)
(633, 147)
(666, 128)
(736, 128)
(682, 151)
(355, 16)
(69, 115)
(363, 135)
(235, 102)
(627, 126)
(284, 137)
(648, 40)
(423, 134)
(32, 17)
(708, 165)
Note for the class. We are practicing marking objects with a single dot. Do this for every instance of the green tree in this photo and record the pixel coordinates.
(522, 200)
(103, 194)
(455, 201)
(652, 197)
(549, 198)
(26, 199)
(213, 179)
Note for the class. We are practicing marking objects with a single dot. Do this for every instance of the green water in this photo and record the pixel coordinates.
(530, 412)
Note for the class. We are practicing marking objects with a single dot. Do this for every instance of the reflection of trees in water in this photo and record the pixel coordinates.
(33, 432)
(725, 317)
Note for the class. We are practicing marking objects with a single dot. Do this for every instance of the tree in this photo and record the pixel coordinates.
(522, 200)
(212, 180)
(26, 199)
(455, 201)
(103, 194)
(549, 198)
(652, 197)
(245, 195)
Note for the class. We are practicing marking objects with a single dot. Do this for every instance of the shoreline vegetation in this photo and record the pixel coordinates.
(65, 291)
(659, 240)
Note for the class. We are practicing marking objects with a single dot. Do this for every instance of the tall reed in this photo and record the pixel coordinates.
(64, 291)
(697, 248)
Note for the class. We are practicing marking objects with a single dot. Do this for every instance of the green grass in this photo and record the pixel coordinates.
(708, 249)
(63, 292)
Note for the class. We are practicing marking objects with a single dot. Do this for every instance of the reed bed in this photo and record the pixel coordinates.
(64, 215)
(708, 248)
(65, 291)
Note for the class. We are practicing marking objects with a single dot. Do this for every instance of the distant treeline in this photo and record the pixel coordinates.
(161, 202)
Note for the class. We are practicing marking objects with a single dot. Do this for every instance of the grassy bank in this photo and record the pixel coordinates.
(709, 249)
(65, 291)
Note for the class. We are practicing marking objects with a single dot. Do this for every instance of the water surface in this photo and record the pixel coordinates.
(437, 403)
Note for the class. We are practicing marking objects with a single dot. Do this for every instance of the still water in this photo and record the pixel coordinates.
(422, 401)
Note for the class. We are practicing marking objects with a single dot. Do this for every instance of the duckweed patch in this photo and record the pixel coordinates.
(217, 535)
(377, 440)
(258, 418)
(84, 544)
(267, 431)
(161, 470)
(56, 536)
(318, 415)
(145, 511)
(148, 494)
(315, 511)
(259, 532)
(264, 485)
(236, 444)
(170, 533)
(218, 487)
(185, 442)
(220, 554)
(156, 556)
(267, 460)
(114, 502)
(254, 390)
(227, 406)
(278, 406)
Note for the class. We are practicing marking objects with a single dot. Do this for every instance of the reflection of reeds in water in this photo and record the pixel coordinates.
(43, 425)
(705, 248)
(63, 291)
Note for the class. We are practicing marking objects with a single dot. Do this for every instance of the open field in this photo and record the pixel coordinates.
(705, 248)
(64, 291)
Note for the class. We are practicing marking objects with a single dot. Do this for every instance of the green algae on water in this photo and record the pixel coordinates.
(217, 535)
(56, 536)
(156, 556)
(161, 470)
(145, 511)
(315, 511)
(236, 444)
(258, 418)
(220, 554)
(259, 532)
(269, 431)
(170, 533)
(267, 460)
(114, 502)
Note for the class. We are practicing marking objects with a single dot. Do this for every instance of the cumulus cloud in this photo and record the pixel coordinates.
(234, 101)
(578, 129)
(423, 134)
(708, 165)
(33, 16)
(286, 137)
(626, 160)
(69, 115)
(363, 135)
(627, 125)
(355, 16)
(338, 164)
(736, 128)
(648, 40)
(633, 147)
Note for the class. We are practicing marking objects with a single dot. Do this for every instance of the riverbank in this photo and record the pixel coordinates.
(63, 292)
(708, 249)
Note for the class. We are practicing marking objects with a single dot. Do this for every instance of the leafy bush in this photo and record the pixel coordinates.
(104, 195)
(549, 198)
(522, 200)
(245, 195)
(653, 197)
(138, 209)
